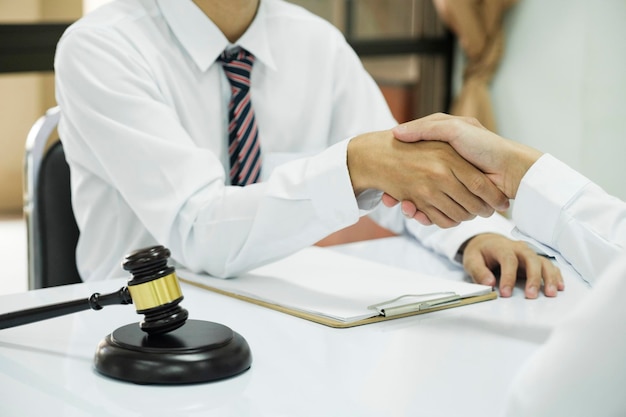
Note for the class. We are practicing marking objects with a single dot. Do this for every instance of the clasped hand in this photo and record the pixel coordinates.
(424, 165)
(504, 162)
(429, 175)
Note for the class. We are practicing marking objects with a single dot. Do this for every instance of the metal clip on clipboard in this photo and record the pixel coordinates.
(394, 307)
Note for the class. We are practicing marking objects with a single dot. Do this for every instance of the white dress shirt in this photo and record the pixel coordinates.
(144, 115)
(565, 211)
(581, 369)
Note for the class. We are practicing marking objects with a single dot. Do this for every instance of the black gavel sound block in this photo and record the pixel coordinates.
(166, 347)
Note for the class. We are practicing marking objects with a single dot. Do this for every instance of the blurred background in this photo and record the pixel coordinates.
(553, 75)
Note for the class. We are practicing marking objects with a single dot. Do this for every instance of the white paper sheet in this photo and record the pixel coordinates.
(329, 284)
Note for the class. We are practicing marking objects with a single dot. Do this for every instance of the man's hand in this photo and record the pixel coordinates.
(429, 175)
(487, 253)
(505, 162)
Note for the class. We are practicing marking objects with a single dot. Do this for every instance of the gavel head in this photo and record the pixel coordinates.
(155, 290)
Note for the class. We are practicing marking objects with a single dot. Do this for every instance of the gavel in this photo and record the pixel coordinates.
(153, 288)
(166, 347)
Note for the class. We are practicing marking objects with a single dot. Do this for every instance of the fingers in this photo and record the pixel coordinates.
(408, 209)
(450, 189)
(504, 161)
(471, 194)
(451, 216)
(438, 126)
(452, 184)
(442, 186)
(478, 270)
(484, 149)
(541, 272)
(538, 271)
(508, 273)
(513, 260)
(433, 215)
(411, 212)
(389, 201)
(422, 218)
(552, 278)
(534, 276)
(484, 197)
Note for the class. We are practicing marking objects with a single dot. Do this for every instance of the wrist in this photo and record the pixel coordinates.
(361, 158)
(524, 158)
(354, 162)
(458, 257)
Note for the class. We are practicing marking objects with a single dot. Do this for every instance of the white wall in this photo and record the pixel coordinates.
(561, 86)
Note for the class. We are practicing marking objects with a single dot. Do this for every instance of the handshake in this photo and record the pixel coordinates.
(443, 169)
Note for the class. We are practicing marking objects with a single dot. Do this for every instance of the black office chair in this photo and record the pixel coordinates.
(51, 227)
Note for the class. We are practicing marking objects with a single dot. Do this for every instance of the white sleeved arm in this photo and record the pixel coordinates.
(562, 209)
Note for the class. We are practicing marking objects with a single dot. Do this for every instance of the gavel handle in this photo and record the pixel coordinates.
(95, 302)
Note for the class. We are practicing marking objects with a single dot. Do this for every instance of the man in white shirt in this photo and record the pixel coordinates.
(144, 122)
(581, 369)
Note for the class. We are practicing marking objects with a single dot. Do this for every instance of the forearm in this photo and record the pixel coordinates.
(302, 201)
(217, 229)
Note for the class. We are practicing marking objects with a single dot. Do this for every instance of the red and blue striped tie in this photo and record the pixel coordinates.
(243, 135)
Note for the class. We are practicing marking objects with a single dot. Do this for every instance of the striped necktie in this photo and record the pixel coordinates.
(243, 136)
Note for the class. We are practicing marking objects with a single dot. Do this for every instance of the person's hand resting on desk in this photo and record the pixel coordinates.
(505, 163)
(487, 253)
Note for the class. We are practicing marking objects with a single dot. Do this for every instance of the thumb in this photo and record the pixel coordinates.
(407, 132)
(425, 128)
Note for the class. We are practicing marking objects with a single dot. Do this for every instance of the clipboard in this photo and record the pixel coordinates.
(342, 291)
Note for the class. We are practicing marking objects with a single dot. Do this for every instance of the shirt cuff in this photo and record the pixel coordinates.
(544, 192)
(330, 187)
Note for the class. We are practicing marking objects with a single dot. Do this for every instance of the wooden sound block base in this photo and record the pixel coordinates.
(198, 351)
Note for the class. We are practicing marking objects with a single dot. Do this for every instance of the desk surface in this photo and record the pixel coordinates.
(448, 363)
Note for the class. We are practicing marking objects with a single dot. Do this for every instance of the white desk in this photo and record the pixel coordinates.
(456, 362)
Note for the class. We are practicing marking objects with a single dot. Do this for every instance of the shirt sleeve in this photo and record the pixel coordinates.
(565, 211)
(119, 128)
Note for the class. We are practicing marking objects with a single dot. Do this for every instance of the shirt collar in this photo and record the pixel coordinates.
(203, 40)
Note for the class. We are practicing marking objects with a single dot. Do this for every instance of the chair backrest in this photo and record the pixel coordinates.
(51, 227)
